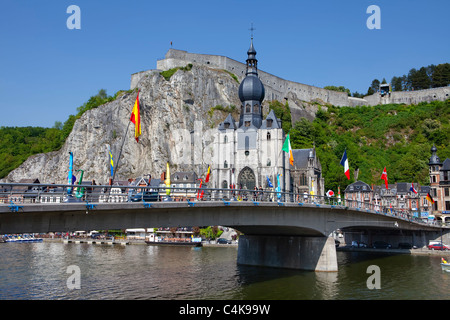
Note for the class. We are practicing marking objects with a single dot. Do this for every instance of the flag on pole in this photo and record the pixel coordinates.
(269, 183)
(167, 181)
(200, 192)
(330, 193)
(207, 174)
(344, 163)
(136, 119)
(111, 162)
(429, 198)
(70, 176)
(288, 149)
(412, 188)
(384, 177)
(278, 188)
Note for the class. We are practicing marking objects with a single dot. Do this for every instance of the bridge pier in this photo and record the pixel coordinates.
(293, 252)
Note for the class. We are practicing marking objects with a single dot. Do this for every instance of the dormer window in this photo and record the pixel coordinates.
(226, 125)
(269, 123)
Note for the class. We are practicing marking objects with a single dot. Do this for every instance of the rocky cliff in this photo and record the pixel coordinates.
(178, 117)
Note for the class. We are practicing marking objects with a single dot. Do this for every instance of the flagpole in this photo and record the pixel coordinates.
(121, 147)
(120, 153)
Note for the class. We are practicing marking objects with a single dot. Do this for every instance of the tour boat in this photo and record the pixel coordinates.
(174, 242)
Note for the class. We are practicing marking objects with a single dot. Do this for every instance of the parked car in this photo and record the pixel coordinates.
(359, 244)
(381, 245)
(405, 245)
(438, 246)
(148, 196)
(223, 241)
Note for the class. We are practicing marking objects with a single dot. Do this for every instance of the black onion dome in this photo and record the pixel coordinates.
(251, 89)
(434, 158)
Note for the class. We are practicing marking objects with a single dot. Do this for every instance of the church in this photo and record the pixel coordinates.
(248, 152)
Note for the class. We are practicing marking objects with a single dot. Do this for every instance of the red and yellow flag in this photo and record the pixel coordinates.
(207, 174)
(136, 119)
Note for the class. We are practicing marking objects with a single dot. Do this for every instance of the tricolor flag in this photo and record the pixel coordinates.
(207, 174)
(136, 119)
(384, 177)
(288, 149)
(429, 198)
(412, 188)
(344, 163)
(111, 162)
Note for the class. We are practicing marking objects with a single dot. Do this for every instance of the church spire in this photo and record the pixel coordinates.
(251, 92)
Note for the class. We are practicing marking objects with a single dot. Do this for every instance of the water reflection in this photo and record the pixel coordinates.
(39, 271)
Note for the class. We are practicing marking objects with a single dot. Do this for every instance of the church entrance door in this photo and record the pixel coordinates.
(247, 179)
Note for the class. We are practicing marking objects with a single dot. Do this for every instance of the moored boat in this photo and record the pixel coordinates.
(445, 265)
(175, 242)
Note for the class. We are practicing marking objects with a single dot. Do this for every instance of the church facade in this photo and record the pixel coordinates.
(248, 151)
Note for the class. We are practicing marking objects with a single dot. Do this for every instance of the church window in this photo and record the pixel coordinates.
(247, 108)
(268, 136)
(247, 153)
(226, 125)
(225, 139)
(256, 108)
(247, 123)
(269, 163)
(269, 123)
(224, 184)
(225, 164)
(303, 180)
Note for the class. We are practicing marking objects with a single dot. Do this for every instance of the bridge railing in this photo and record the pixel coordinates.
(20, 193)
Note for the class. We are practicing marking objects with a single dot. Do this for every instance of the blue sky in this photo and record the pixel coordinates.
(47, 70)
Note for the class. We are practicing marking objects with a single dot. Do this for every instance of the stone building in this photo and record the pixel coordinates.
(439, 186)
(306, 174)
(247, 152)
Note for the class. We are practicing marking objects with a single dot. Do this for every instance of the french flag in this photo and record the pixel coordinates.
(412, 188)
(344, 163)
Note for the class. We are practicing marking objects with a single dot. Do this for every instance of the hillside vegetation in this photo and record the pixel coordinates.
(18, 143)
(396, 136)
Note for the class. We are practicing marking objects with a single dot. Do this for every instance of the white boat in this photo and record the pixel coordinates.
(445, 265)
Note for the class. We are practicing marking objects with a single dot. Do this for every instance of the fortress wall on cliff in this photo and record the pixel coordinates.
(278, 88)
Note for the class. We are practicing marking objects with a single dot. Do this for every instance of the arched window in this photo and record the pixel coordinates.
(225, 164)
(256, 108)
(247, 108)
(303, 180)
(269, 163)
(269, 136)
(224, 184)
(225, 139)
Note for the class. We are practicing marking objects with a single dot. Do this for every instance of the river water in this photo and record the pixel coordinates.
(41, 271)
